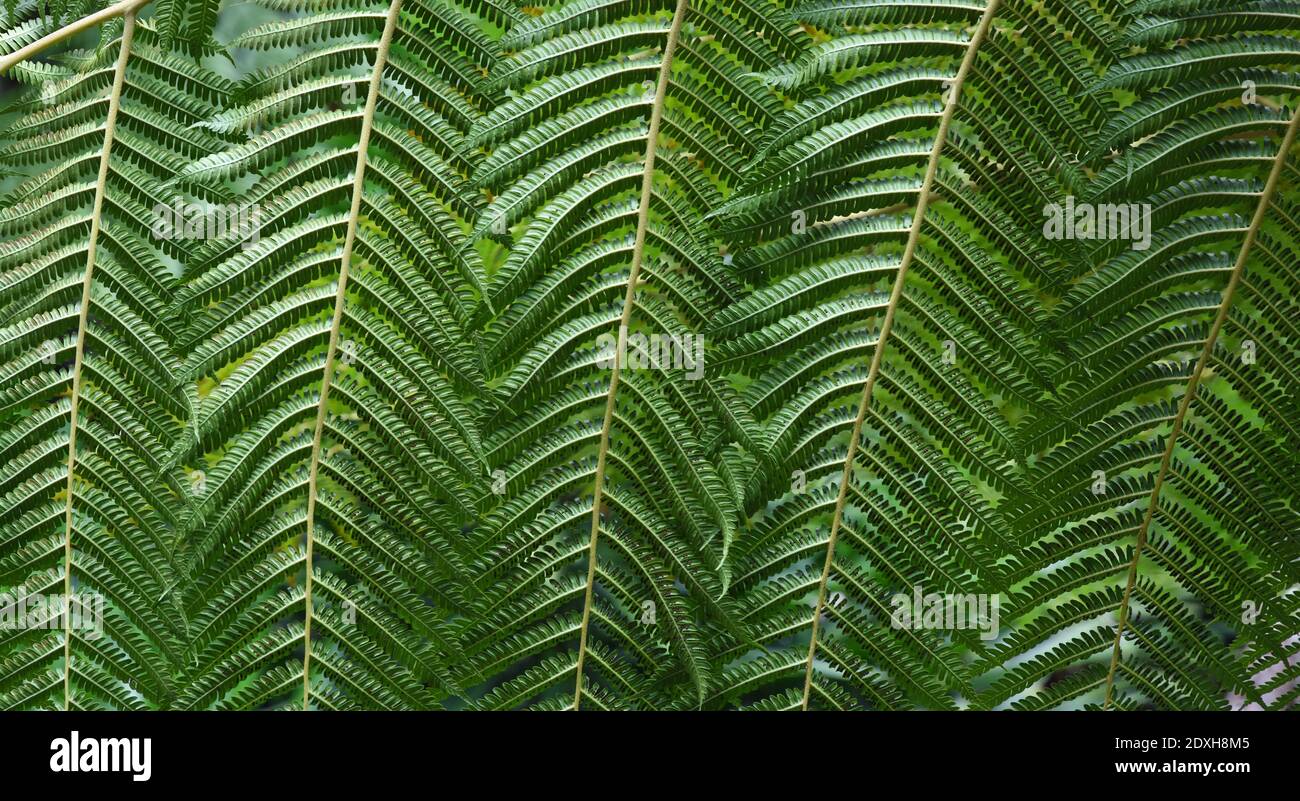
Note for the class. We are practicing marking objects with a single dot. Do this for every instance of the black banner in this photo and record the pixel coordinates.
(510, 752)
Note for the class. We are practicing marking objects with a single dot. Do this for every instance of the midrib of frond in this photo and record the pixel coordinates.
(358, 183)
(638, 254)
(909, 251)
(1238, 270)
(114, 102)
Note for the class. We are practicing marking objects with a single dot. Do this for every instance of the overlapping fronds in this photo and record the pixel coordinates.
(652, 354)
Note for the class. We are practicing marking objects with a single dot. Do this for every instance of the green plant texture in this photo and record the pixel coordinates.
(650, 355)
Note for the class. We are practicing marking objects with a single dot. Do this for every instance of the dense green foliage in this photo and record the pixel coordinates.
(367, 444)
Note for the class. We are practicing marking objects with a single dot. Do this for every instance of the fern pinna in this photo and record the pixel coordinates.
(650, 354)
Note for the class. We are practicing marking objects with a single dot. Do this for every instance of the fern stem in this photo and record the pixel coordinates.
(358, 184)
(913, 238)
(110, 124)
(638, 254)
(124, 7)
(1207, 350)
